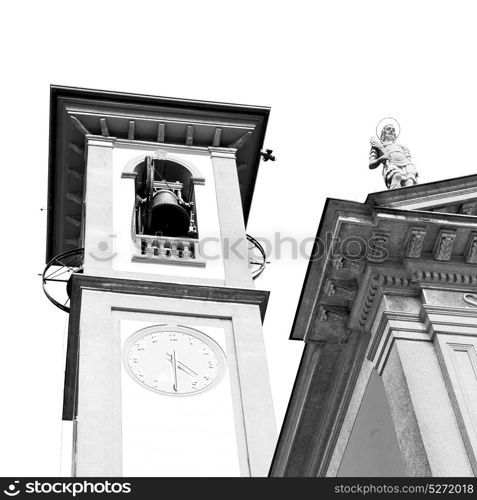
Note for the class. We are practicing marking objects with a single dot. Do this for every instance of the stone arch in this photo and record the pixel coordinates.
(129, 170)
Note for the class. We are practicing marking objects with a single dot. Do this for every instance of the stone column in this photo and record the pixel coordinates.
(232, 225)
(98, 204)
(405, 351)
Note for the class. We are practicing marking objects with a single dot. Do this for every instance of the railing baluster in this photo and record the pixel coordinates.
(162, 250)
(186, 253)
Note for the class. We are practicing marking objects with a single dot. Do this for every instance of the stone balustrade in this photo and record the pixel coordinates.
(168, 250)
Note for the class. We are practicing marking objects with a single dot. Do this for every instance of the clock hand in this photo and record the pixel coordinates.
(183, 367)
(174, 364)
(187, 370)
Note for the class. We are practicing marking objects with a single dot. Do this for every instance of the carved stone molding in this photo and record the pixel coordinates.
(439, 318)
(341, 262)
(416, 240)
(379, 281)
(330, 325)
(340, 289)
(395, 325)
(418, 321)
(335, 318)
(443, 277)
(368, 301)
(160, 154)
(444, 245)
(471, 252)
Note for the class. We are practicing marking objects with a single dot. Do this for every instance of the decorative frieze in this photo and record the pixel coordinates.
(340, 289)
(445, 277)
(160, 154)
(331, 325)
(341, 262)
(416, 241)
(471, 253)
(444, 245)
(331, 317)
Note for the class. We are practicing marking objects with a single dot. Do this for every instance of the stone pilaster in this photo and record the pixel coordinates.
(412, 348)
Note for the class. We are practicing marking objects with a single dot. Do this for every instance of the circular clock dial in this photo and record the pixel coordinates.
(174, 360)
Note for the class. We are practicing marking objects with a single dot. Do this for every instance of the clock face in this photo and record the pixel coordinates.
(174, 360)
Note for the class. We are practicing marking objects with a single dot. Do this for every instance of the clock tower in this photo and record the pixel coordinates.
(166, 373)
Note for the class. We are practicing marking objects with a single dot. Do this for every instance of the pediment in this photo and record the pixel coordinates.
(451, 196)
(467, 207)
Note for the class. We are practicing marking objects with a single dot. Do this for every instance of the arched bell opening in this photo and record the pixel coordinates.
(165, 203)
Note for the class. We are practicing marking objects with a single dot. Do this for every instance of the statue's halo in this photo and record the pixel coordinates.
(389, 120)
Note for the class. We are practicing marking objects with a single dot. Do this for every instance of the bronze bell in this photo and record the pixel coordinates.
(169, 218)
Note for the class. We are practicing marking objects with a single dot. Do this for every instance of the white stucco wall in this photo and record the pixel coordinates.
(180, 436)
(112, 407)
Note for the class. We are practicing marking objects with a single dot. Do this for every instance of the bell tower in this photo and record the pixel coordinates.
(166, 372)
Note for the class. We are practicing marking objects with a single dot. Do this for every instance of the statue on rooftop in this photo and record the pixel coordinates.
(398, 169)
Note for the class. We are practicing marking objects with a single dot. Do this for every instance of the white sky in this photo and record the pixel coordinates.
(329, 71)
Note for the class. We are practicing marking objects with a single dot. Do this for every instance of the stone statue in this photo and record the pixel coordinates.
(398, 169)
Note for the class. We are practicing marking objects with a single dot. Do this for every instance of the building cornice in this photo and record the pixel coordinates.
(340, 290)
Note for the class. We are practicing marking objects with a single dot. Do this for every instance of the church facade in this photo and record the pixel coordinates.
(387, 385)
